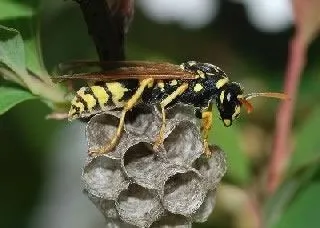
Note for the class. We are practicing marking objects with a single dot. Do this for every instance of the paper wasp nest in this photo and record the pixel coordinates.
(134, 186)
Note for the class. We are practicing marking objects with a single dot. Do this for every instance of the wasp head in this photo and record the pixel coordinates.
(229, 102)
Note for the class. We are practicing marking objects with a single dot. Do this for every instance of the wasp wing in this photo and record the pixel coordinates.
(107, 65)
(125, 70)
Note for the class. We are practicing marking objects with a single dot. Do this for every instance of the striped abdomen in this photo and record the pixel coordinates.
(104, 96)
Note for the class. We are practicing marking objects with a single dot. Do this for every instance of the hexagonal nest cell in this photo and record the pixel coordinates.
(136, 186)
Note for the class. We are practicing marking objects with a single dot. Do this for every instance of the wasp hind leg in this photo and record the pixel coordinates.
(163, 104)
(206, 119)
(110, 145)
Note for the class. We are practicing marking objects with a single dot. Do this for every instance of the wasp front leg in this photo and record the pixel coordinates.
(206, 119)
(163, 104)
(109, 146)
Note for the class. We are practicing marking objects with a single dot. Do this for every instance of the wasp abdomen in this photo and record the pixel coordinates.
(104, 96)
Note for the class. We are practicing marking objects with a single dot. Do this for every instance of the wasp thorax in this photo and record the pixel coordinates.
(228, 102)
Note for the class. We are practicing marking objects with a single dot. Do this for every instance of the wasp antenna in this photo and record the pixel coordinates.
(281, 96)
(247, 105)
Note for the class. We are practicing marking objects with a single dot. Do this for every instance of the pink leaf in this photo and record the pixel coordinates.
(307, 18)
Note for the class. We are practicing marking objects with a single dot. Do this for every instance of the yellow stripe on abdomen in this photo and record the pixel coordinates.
(101, 94)
(97, 98)
(76, 109)
(117, 91)
(88, 98)
(77, 105)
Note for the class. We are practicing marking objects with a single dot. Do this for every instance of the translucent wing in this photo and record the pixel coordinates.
(123, 70)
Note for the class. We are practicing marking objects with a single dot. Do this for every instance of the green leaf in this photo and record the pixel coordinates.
(12, 50)
(296, 202)
(292, 204)
(308, 143)
(23, 16)
(278, 203)
(303, 209)
(34, 60)
(227, 138)
(9, 97)
(10, 10)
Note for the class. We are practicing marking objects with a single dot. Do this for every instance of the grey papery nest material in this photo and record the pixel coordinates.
(135, 186)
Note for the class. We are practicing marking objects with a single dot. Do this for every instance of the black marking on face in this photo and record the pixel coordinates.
(228, 104)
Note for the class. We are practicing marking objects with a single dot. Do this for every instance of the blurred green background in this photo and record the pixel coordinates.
(41, 159)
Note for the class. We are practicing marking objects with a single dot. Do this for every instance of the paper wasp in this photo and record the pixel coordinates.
(124, 84)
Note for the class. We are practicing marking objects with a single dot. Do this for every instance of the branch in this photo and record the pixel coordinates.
(281, 150)
(107, 23)
(307, 23)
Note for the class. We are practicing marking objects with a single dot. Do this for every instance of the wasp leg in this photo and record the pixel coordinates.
(206, 117)
(127, 107)
(163, 104)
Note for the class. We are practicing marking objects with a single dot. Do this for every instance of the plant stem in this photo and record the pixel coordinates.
(281, 150)
(50, 92)
(9, 75)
